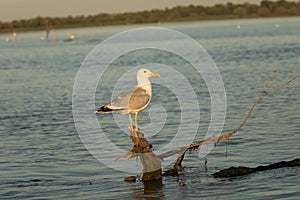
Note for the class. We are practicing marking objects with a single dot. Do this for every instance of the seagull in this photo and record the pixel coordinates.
(133, 100)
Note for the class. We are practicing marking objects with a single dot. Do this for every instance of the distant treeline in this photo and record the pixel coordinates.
(179, 13)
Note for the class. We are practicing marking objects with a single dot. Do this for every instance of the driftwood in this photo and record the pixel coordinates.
(151, 162)
(142, 149)
(241, 170)
(182, 150)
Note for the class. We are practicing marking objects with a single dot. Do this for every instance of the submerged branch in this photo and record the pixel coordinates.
(241, 170)
(263, 94)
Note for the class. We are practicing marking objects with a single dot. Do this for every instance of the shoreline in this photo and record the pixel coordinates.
(143, 24)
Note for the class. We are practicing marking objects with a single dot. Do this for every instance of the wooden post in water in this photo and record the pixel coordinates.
(151, 163)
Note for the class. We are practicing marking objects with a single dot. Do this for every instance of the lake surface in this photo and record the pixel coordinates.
(42, 156)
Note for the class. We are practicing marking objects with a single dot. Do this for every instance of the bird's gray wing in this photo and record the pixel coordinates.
(135, 98)
(122, 100)
(139, 99)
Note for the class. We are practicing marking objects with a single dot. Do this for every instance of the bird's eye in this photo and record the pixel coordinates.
(145, 71)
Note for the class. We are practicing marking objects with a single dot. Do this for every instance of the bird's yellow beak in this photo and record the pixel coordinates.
(155, 74)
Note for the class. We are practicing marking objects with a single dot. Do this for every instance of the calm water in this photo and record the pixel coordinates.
(42, 156)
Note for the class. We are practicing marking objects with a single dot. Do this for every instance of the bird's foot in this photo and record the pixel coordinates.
(130, 128)
(133, 128)
(136, 128)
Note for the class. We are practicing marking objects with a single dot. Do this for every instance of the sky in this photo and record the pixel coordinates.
(25, 9)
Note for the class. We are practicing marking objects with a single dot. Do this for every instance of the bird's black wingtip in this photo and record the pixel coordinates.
(103, 110)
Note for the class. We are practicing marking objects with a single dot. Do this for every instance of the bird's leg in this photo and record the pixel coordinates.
(130, 121)
(135, 121)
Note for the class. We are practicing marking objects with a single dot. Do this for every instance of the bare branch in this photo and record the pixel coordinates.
(263, 94)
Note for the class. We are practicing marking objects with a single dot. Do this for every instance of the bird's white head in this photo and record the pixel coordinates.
(143, 76)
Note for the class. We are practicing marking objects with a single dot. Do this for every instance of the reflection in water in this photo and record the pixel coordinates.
(151, 190)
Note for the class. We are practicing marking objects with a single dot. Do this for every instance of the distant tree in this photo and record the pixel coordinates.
(264, 12)
(280, 11)
(200, 10)
(184, 11)
(293, 11)
(240, 12)
(230, 6)
(265, 3)
(174, 14)
(250, 8)
(218, 9)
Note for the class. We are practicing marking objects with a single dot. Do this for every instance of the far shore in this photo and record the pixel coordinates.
(266, 9)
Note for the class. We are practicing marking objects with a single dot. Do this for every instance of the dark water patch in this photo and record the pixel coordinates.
(27, 183)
